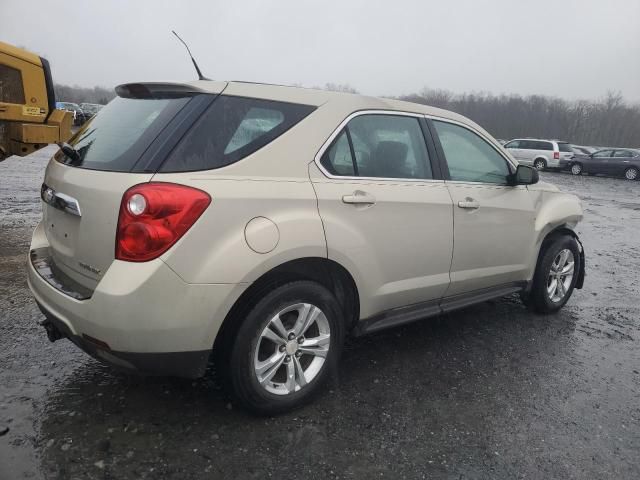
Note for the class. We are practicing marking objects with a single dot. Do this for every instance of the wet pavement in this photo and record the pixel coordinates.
(492, 391)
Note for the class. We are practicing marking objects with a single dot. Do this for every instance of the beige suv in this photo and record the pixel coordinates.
(260, 224)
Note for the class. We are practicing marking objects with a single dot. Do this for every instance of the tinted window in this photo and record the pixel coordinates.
(564, 147)
(11, 90)
(337, 160)
(623, 154)
(385, 146)
(115, 139)
(603, 154)
(513, 144)
(469, 157)
(231, 129)
(544, 146)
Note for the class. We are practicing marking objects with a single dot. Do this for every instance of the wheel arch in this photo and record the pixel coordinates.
(561, 230)
(324, 271)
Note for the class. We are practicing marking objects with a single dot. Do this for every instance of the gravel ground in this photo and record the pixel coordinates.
(492, 391)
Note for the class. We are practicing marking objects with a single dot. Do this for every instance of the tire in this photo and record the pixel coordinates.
(260, 367)
(539, 164)
(576, 168)
(543, 297)
(631, 173)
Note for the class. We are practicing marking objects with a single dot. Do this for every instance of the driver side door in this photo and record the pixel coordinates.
(493, 221)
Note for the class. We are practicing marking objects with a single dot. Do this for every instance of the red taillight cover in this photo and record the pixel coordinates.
(556, 155)
(150, 226)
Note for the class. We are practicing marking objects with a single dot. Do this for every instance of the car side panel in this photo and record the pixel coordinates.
(251, 226)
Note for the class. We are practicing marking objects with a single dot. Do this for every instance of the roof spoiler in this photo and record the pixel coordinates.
(157, 90)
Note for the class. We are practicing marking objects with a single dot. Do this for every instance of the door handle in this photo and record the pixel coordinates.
(469, 203)
(359, 198)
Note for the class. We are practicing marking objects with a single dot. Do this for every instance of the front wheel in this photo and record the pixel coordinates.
(286, 348)
(576, 169)
(556, 274)
(631, 173)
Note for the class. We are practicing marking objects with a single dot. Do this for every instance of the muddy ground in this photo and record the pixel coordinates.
(492, 391)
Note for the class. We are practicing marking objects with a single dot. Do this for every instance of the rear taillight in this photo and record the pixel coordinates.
(153, 216)
(556, 155)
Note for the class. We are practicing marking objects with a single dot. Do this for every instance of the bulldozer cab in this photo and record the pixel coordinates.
(28, 117)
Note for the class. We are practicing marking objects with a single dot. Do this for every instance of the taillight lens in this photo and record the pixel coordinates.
(556, 155)
(153, 216)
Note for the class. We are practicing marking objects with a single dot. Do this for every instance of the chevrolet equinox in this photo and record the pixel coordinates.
(261, 224)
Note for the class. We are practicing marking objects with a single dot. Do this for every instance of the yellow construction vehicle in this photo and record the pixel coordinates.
(28, 116)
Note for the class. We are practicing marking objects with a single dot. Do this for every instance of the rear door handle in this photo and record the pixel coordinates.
(470, 204)
(359, 198)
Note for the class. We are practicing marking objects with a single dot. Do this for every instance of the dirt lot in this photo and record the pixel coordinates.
(489, 392)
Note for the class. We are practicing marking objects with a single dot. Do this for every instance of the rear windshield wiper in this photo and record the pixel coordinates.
(69, 151)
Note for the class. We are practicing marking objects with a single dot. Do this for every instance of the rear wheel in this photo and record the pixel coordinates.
(576, 169)
(631, 173)
(556, 275)
(286, 348)
(540, 164)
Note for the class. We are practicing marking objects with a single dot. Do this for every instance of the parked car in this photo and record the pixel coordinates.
(580, 151)
(618, 162)
(78, 114)
(90, 109)
(542, 154)
(262, 223)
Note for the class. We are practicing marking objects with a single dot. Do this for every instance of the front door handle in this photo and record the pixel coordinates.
(469, 203)
(359, 198)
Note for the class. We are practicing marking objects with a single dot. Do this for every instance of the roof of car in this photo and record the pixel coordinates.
(309, 96)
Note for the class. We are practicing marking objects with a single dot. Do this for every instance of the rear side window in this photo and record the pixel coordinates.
(382, 146)
(231, 129)
(11, 90)
(115, 139)
(564, 147)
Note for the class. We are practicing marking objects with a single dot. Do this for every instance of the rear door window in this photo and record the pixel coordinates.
(231, 129)
(382, 146)
(623, 154)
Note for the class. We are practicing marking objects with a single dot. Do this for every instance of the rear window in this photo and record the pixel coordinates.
(115, 139)
(564, 147)
(231, 129)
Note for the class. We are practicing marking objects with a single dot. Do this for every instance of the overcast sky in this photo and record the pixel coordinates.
(568, 48)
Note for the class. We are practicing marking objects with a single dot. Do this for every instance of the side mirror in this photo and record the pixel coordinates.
(525, 175)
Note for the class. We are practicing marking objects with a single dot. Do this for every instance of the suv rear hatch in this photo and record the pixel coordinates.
(118, 148)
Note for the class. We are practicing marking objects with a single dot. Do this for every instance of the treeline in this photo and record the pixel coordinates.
(76, 94)
(609, 121)
(606, 122)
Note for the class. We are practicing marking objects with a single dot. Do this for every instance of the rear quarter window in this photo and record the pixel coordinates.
(565, 147)
(231, 129)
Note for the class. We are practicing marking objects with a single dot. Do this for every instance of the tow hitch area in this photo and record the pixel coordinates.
(52, 331)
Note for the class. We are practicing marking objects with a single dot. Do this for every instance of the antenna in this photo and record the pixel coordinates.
(200, 76)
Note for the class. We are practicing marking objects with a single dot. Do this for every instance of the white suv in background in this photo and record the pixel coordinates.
(542, 154)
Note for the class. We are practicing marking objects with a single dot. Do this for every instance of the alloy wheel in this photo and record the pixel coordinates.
(292, 349)
(631, 174)
(576, 169)
(560, 275)
(539, 164)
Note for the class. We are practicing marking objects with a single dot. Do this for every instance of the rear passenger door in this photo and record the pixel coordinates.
(493, 221)
(386, 212)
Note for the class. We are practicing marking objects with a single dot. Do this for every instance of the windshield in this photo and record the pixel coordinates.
(115, 139)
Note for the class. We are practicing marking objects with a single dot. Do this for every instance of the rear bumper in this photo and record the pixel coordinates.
(179, 364)
(141, 316)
